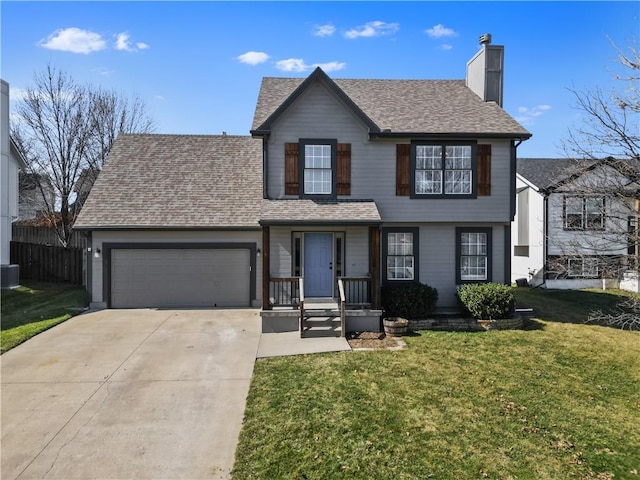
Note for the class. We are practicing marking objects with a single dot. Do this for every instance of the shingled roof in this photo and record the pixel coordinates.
(402, 106)
(181, 181)
(306, 211)
(544, 172)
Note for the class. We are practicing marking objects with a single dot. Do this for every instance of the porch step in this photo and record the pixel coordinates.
(321, 312)
(322, 326)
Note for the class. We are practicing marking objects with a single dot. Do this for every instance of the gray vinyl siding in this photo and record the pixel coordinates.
(437, 253)
(146, 237)
(318, 114)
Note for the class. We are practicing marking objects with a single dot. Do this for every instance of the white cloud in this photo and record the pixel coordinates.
(159, 97)
(373, 29)
(292, 65)
(528, 115)
(440, 31)
(103, 71)
(123, 43)
(324, 30)
(331, 66)
(446, 46)
(253, 58)
(74, 40)
(16, 93)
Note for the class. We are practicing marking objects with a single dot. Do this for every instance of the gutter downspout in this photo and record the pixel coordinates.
(265, 167)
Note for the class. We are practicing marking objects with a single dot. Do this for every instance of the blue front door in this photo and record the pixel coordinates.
(318, 268)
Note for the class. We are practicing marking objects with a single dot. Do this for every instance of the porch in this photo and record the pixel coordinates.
(354, 308)
(320, 267)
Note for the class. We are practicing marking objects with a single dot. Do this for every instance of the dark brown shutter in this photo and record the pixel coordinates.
(403, 165)
(484, 170)
(344, 169)
(291, 179)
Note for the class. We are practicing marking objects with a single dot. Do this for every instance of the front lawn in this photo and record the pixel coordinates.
(35, 307)
(559, 400)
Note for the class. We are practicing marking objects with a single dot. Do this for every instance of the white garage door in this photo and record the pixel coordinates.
(180, 278)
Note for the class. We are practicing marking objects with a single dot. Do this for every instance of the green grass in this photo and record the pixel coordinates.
(35, 307)
(557, 401)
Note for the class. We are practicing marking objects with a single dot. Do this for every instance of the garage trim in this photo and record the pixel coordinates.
(108, 247)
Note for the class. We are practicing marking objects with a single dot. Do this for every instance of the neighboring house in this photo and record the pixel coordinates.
(575, 222)
(11, 163)
(36, 197)
(385, 182)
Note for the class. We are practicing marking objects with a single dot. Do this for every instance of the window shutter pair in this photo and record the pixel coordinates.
(291, 174)
(403, 169)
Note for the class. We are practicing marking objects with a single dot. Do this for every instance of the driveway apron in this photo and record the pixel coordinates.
(115, 394)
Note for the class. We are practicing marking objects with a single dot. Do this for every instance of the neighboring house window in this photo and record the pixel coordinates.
(583, 267)
(400, 251)
(443, 170)
(318, 168)
(584, 213)
(473, 255)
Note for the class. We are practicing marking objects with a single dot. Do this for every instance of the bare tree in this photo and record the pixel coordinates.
(611, 121)
(66, 130)
(600, 213)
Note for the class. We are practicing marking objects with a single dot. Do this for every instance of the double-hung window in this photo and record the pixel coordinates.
(318, 168)
(400, 251)
(443, 170)
(473, 259)
(584, 213)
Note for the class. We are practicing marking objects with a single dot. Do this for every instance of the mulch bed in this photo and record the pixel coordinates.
(373, 341)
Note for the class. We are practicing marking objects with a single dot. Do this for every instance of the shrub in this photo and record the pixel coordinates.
(415, 300)
(487, 301)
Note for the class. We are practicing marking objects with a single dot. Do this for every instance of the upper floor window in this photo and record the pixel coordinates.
(317, 168)
(443, 170)
(584, 213)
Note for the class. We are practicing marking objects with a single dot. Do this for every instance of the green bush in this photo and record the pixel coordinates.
(487, 301)
(415, 300)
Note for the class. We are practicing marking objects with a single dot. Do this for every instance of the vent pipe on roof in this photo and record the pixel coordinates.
(485, 71)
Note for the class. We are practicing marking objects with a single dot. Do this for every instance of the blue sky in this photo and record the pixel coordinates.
(198, 65)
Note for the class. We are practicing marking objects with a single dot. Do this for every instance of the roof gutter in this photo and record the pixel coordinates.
(461, 135)
(312, 223)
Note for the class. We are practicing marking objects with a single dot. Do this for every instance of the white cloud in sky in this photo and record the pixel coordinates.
(159, 97)
(16, 93)
(330, 66)
(373, 29)
(440, 31)
(253, 58)
(446, 46)
(292, 65)
(123, 43)
(74, 40)
(324, 30)
(299, 65)
(528, 114)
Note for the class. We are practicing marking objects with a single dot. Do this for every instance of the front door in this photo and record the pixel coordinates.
(318, 267)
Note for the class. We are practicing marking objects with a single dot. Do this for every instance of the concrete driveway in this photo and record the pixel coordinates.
(115, 394)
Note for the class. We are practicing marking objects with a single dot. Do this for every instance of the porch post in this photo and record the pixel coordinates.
(266, 274)
(374, 261)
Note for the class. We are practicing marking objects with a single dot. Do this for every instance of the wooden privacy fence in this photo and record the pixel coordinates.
(45, 236)
(48, 264)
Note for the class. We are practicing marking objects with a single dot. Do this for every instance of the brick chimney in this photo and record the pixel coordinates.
(485, 71)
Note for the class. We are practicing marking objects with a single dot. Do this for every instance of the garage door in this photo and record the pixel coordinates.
(180, 278)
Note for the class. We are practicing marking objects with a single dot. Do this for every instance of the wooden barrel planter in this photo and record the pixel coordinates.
(395, 326)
